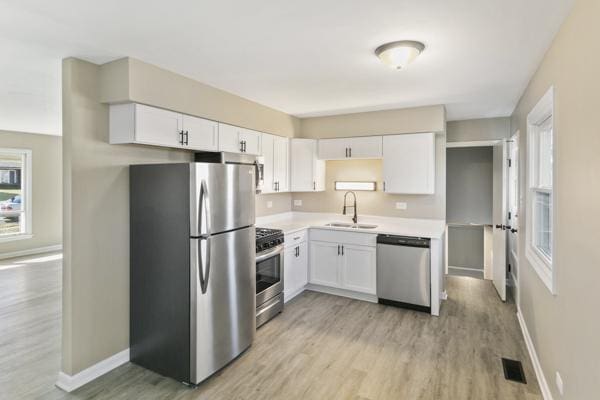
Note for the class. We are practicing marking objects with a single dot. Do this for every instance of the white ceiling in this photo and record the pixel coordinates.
(309, 57)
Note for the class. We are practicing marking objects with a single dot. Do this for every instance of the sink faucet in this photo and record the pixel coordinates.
(355, 217)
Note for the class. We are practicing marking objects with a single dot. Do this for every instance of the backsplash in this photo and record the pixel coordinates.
(279, 202)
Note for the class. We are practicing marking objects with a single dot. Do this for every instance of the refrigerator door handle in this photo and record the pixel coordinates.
(204, 201)
(203, 275)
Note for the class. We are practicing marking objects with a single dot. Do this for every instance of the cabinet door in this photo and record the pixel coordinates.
(409, 163)
(157, 126)
(301, 266)
(229, 138)
(289, 259)
(281, 163)
(319, 175)
(251, 141)
(365, 147)
(302, 157)
(269, 161)
(358, 268)
(333, 149)
(202, 134)
(324, 263)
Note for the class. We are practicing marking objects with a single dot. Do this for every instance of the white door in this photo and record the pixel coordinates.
(229, 138)
(359, 268)
(269, 162)
(325, 258)
(513, 208)
(281, 165)
(499, 219)
(157, 126)
(409, 163)
(200, 134)
(365, 147)
(333, 149)
(251, 141)
(302, 156)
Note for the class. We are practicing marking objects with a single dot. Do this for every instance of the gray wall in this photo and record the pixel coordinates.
(469, 178)
(564, 327)
(465, 247)
(46, 187)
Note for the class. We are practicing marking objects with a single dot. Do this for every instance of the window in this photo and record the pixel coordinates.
(540, 199)
(15, 194)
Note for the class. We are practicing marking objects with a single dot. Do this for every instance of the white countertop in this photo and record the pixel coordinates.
(295, 221)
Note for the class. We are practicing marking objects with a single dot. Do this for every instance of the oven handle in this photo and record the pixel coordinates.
(263, 256)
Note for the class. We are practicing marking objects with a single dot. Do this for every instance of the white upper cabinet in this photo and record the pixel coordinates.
(409, 163)
(347, 148)
(307, 172)
(275, 153)
(200, 134)
(234, 139)
(137, 123)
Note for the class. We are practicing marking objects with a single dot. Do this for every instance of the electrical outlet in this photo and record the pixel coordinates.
(559, 384)
(298, 203)
(269, 204)
(401, 206)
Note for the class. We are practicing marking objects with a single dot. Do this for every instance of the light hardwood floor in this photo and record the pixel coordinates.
(321, 347)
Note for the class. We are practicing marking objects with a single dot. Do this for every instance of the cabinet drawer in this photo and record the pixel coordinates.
(295, 238)
(335, 236)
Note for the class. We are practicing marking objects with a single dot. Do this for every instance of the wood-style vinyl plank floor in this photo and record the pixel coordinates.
(321, 347)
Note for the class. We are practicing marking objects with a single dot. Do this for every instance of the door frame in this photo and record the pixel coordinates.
(514, 146)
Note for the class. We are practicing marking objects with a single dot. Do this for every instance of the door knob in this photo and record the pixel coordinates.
(513, 230)
(498, 226)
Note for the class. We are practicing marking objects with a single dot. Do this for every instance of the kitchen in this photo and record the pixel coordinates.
(298, 200)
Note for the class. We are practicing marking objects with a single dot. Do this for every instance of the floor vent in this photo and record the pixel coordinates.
(513, 370)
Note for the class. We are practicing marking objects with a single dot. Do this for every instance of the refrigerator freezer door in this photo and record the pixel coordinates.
(223, 315)
(221, 197)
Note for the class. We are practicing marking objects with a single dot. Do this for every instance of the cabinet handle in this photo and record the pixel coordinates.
(241, 146)
(342, 249)
(314, 185)
(384, 186)
(338, 249)
(181, 138)
(346, 152)
(350, 152)
(187, 136)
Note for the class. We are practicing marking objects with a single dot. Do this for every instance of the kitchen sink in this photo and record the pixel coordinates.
(349, 225)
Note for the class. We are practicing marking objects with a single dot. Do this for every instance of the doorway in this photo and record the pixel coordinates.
(476, 210)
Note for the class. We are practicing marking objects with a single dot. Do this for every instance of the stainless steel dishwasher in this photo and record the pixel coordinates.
(404, 272)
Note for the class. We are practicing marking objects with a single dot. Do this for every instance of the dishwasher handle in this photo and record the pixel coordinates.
(407, 241)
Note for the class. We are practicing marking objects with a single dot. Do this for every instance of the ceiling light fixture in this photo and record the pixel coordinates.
(398, 55)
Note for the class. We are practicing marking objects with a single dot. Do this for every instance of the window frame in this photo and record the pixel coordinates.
(544, 266)
(26, 195)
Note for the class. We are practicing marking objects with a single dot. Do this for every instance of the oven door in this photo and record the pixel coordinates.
(269, 274)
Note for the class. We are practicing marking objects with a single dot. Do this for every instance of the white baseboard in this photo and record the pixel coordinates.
(30, 252)
(69, 383)
(539, 373)
(289, 296)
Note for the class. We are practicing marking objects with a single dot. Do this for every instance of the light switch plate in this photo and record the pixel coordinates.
(269, 204)
(401, 205)
(298, 203)
(559, 384)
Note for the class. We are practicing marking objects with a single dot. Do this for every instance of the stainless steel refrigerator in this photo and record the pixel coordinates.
(193, 279)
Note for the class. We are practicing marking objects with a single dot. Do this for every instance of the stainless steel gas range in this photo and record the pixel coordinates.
(269, 274)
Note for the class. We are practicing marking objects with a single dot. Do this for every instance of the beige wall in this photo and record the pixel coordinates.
(46, 186)
(478, 129)
(280, 203)
(155, 86)
(565, 327)
(422, 119)
(406, 120)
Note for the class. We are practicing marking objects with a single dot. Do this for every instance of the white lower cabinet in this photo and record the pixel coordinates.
(295, 270)
(343, 265)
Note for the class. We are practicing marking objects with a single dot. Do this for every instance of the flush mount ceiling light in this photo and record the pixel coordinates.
(398, 55)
